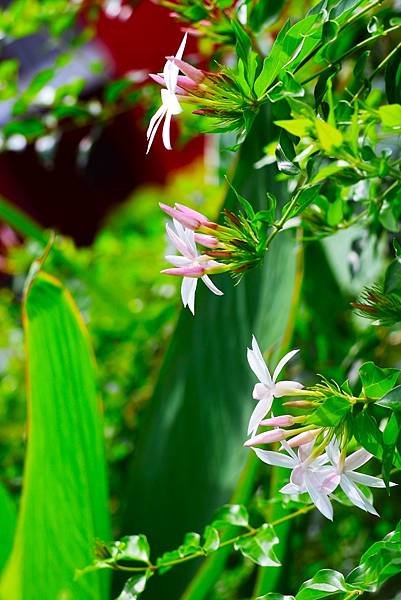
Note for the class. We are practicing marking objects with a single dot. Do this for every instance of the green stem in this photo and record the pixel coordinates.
(226, 543)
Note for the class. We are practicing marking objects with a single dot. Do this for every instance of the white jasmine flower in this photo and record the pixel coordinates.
(267, 388)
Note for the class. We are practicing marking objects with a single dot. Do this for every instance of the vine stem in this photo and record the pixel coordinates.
(231, 541)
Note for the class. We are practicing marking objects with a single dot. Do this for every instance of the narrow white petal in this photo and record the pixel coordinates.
(156, 117)
(179, 243)
(261, 392)
(208, 283)
(258, 365)
(319, 499)
(367, 480)
(259, 413)
(181, 49)
(333, 452)
(290, 488)
(274, 458)
(152, 131)
(166, 131)
(259, 357)
(357, 459)
(305, 450)
(188, 288)
(178, 261)
(356, 496)
(286, 388)
(290, 451)
(282, 363)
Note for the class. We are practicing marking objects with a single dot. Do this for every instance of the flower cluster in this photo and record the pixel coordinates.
(321, 464)
(234, 246)
(216, 95)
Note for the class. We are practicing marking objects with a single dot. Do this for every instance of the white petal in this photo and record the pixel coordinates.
(357, 459)
(367, 480)
(188, 288)
(274, 458)
(319, 499)
(181, 49)
(356, 496)
(286, 388)
(290, 451)
(208, 282)
(257, 364)
(259, 413)
(154, 126)
(179, 243)
(178, 261)
(305, 450)
(282, 363)
(333, 452)
(290, 488)
(261, 392)
(166, 131)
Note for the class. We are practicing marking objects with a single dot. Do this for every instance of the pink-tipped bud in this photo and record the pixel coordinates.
(268, 437)
(192, 72)
(206, 240)
(185, 271)
(280, 421)
(300, 403)
(186, 220)
(303, 438)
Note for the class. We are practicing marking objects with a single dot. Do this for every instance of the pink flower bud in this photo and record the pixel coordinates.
(303, 438)
(280, 421)
(192, 72)
(268, 437)
(186, 271)
(206, 240)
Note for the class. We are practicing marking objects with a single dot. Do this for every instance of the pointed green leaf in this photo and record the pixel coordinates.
(376, 381)
(259, 547)
(64, 505)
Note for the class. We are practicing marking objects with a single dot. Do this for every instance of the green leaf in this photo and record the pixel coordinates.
(368, 434)
(135, 586)
(392, 399)
(64, 504)
(231, 514)
(331, 412)
(393, 78)
(212, 539)
(133, 547)
(8, 521)
(377, 382)
(390, 437)
(329, 137)
(183, 430)
(259, 547)
(380, 562)
(322, 585)
(330, 31)
(390, 115)
(298, 127)
(392, 280)
(274, 596)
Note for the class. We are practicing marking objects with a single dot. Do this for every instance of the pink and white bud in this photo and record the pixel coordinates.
(268, 437)
(303, 438)
(187, 216)
(193, 73)
(206, 240)
(186, 271)
(280, 421)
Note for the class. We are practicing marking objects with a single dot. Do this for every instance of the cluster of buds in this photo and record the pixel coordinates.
(321, 464)
(216, 95)
(234, 246)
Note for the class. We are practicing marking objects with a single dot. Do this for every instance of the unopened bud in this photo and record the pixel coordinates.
(303, 438)
(280, 421)
(268, 437)
(300, 403)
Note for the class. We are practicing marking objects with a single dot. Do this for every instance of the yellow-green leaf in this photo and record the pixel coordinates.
(390, 115)
(299, 127)
(329, 137)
